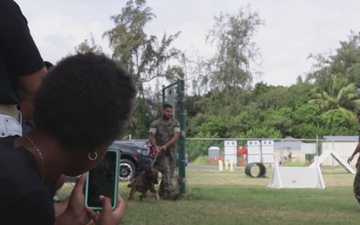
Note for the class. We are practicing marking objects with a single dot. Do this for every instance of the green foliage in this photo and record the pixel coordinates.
(194, 122)
(222, 103)
(215, 127)
(306, 122)
(85, 46)
(242, 122)
(280, 120)
(346, 98)
(336, 77)
(343, 64)
(299, 94)
(141, 119)
(262, 132)
(335, 122)
(194, 105)
(259, 90)
(172, 73)
(232, 35)
(267, 123)
(145, 57)
(225, 103)
(274, 97)
(199, 148)
(200, 160)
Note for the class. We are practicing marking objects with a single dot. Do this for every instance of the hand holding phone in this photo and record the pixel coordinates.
(72, 209)
(109, 216)
(103, 180)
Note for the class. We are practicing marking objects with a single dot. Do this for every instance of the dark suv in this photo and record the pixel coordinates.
(133, 159)
(146, 144)
(135, 156)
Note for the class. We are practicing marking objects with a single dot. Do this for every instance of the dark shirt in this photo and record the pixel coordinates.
(25, 198)
(19, 55)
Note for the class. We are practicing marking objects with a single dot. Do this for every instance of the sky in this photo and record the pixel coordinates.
(292, 29)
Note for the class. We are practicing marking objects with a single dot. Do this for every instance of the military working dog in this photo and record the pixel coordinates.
(143, 183)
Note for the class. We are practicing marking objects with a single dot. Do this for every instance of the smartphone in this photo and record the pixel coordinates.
(103, 180)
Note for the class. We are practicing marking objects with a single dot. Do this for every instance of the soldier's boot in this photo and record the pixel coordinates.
(173, 195)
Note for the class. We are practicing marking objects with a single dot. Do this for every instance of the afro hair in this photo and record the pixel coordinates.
(84, 101)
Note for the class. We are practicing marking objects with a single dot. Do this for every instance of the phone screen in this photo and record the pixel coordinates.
(103, 180)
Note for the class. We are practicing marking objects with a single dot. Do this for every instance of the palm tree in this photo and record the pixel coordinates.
(346, 98)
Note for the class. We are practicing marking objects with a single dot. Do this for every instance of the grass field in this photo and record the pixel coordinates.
(232, 198)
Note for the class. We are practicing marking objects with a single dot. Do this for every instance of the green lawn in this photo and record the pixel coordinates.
(224, 198)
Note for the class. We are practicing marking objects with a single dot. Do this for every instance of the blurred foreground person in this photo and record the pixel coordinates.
(80, 108)
(356, 185)
(21, 70)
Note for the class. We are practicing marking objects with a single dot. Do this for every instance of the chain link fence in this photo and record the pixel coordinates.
(287, 151)
(65, 190)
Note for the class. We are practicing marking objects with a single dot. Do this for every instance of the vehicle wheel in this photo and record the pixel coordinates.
(127, 170)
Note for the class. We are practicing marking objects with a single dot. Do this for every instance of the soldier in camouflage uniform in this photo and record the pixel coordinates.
(163, 134)
(357, 176)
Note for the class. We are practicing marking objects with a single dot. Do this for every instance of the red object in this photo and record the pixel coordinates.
(215, 159)
(241, 150)
(152, 151)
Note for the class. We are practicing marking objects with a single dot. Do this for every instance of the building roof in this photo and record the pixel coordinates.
(341, 138)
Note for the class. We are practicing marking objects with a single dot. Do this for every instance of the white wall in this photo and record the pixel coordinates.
(343, 149)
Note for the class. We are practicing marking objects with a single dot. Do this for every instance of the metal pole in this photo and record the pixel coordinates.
(163, 94)
(181, 117)
(181, 142)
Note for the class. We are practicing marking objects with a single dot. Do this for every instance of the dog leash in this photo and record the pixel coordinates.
(152, 164)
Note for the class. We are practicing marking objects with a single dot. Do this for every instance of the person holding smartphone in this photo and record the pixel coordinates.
(80, 108)
(21, 69)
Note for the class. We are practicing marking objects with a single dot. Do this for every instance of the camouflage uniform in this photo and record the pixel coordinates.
(357, 185)
(166, 160)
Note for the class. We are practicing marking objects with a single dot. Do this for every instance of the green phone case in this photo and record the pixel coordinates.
(116, 183)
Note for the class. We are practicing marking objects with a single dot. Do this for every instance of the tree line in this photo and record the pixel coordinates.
(221, 101)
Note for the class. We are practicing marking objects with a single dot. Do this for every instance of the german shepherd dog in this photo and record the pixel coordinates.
(143, 183)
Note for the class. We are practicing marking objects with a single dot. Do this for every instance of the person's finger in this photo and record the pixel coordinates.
(107, 209)
(78, 189)
(91, 213)
(120, 205)
(79, 186)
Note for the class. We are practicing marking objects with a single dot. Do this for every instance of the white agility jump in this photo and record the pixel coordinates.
(340, 160)
(296, 177)
(304, 177)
